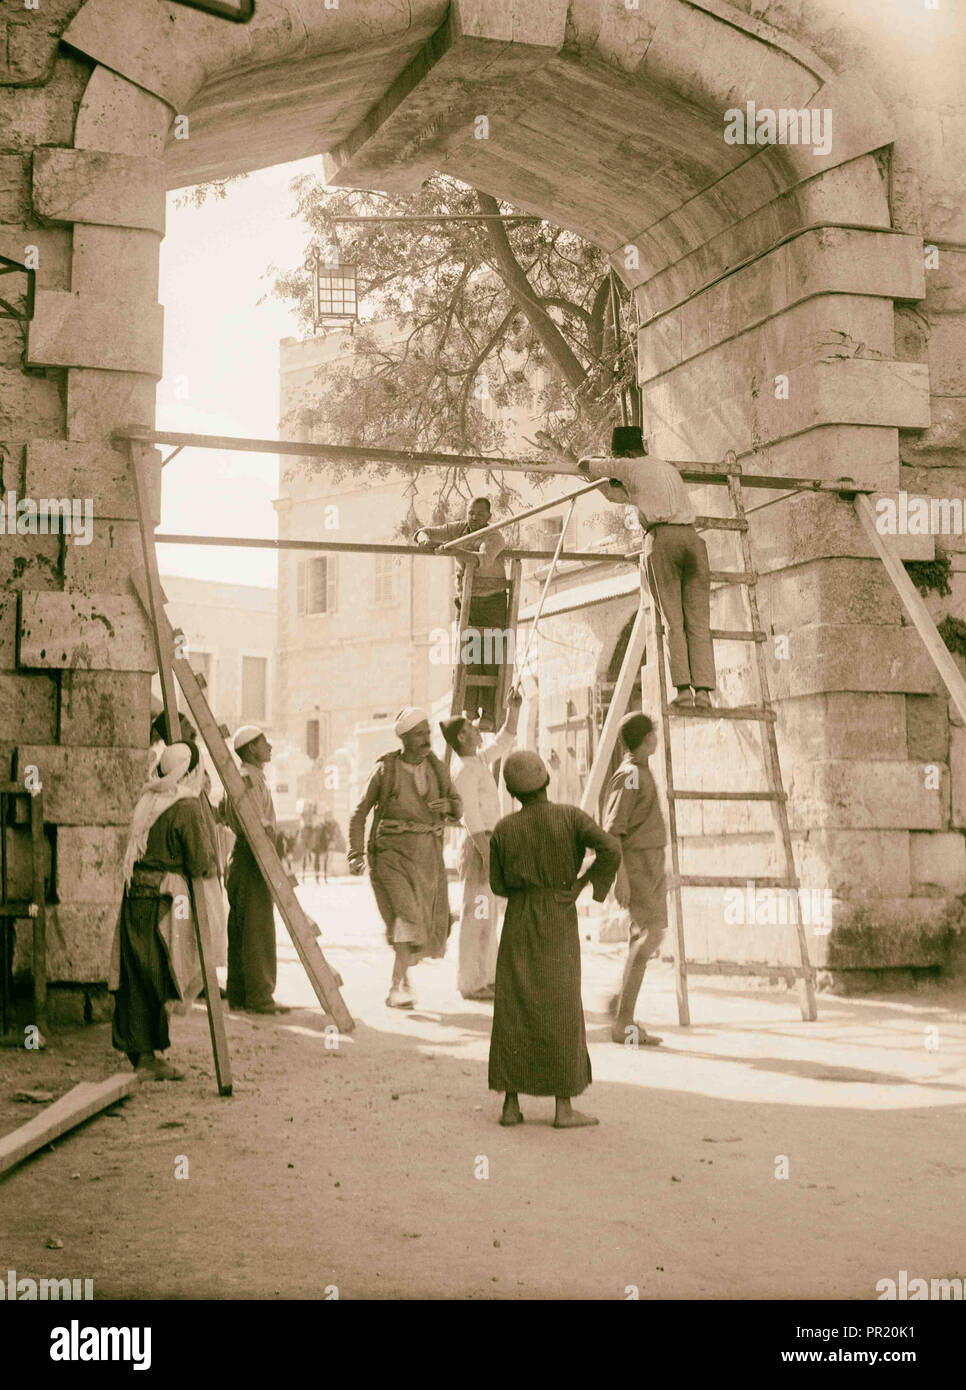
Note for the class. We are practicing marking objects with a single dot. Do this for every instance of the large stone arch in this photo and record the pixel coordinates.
(747, 264)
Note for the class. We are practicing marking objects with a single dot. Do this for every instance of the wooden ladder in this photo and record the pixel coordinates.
(462, 680)
(762, 714)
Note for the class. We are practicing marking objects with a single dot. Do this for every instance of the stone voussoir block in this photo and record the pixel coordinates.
(110, 190)
(82, 786)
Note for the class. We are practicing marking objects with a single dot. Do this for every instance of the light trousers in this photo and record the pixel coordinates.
(680, 581)
(478, 923)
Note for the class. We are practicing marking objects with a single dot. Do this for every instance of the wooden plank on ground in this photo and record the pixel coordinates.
(78, 1105)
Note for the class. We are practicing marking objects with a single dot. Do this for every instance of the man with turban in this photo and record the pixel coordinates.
(538, 1046)
(252, 963)
(633, 814)
(412, 798)
(676, 557)
(154, 960)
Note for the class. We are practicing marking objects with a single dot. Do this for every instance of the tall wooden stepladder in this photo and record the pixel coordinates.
(164, 653)
(762, 714)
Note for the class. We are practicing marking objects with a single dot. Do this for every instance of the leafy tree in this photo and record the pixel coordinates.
(458, 312)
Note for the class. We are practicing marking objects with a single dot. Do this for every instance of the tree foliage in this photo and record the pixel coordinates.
(461, 322)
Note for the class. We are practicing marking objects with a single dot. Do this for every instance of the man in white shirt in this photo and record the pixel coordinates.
(475, 785)
(675, 555)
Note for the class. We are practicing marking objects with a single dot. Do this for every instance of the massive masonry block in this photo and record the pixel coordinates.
(79, 937)
(938, 864)
(87, 330)
(114, 552)
(109, 190)
(96, 632)
(854, 795)
(100, 402)
(83, 787)
(927, 728)
(957, 768)
(836, 590)
(28, 708)
(104, 708)
(821, 526)
(90, 860)
(851, 656)
(56, 468)
(30, 562)
(869, 726)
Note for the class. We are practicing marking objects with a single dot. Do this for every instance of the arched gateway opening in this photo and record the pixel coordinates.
(766, 277)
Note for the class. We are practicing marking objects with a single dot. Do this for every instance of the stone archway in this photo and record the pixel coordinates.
(749, 264)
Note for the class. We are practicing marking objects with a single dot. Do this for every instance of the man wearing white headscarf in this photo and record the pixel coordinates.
(154, 959)
(412, 798)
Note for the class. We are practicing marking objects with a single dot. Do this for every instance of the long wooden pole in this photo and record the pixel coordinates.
(471, 536)
(609, 557)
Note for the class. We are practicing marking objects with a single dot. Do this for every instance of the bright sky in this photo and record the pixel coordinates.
(221, 367)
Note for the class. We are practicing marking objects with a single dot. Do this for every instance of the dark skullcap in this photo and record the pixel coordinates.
(634, 730)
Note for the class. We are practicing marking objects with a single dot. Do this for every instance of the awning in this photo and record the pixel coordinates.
(625, 585)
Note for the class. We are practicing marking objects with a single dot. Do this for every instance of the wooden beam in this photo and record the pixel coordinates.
(78, 1105)
(942, 657)
(591, 557)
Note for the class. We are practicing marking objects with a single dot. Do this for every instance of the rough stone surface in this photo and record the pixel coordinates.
(957, 768)
(99, 402)
(83, 787)
(53, 253)
(861, 795)
(89, 864)
(112, 190)
(28, 707)
(841, 590)
(844, 725)
(79, 937)
(927, 728)
(122, 258)
(842, 656)
(87, 330)
(938, 864)
(104, 708)
(30, 562)
(114, 552)
(99, 632)
(97, 471)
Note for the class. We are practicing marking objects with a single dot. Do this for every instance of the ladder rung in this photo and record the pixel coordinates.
(752, 967)
(728, 796)
(728, 634)
(762, 713)
(482, 680)
(722, 881)
(733, 577)
(720, 523)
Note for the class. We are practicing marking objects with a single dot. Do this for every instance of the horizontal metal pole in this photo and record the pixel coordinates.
(606, 557)
(408, 458)
(447, 217)
(460, 541)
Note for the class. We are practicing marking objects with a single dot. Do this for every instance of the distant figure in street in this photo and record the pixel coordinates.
(633, 814)
(480, 795)
(676, 558)
(154, 960)
(489, 598)
(538, 1046)
(327, 836)
(252, 962)
(412, 797)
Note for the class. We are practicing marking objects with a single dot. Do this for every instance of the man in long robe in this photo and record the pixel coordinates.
(154, 958)
(252, 961)
(633, 814)
(538, 1046)
(412, 797)
(480, 795)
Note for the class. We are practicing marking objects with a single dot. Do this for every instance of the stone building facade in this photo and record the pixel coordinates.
(801, 304)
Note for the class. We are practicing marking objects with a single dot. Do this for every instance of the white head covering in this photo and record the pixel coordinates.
(408, 718)
(248, 733)
(167, 783)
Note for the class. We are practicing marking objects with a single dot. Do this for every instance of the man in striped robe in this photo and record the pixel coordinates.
(538, 1046)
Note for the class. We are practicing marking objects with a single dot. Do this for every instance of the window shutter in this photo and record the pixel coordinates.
(331, 584)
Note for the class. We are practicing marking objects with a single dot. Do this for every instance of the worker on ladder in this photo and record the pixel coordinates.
(489, 598)
(676, 558)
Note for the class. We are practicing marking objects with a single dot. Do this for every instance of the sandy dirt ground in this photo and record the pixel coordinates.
(376, 1168)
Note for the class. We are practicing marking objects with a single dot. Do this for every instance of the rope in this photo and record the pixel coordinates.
(521, 668)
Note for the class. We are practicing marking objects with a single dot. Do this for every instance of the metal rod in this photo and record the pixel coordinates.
(460, 541)
(546, 588)
(447, 217)
(407, 458)
(616, 315)
(607, 557)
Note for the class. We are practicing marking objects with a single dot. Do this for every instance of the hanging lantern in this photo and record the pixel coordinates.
(335, 300)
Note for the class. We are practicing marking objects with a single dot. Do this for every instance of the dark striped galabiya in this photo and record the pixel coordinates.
(538, 1046)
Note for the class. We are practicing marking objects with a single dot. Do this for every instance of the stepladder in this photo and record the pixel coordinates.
(781, 888)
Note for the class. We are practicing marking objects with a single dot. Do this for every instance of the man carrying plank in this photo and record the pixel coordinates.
(154, 959)
(252, 960)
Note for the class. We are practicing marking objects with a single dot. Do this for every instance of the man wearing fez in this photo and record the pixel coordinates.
(489, 596)
(412, 798)
(252, 962)
(538, 1046)
(480, 795)
(633, 814)
(675, 555)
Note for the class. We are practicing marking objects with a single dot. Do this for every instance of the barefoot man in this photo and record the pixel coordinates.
(538, 1045)
(412, 798)
(633, 814)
